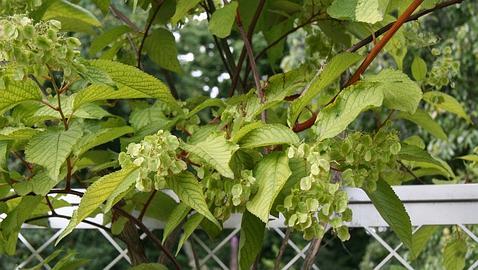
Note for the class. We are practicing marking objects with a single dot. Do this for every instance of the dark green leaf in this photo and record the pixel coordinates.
(161, 48)
(454, 255)
(223, 19)
(392, 211)
(250, 243)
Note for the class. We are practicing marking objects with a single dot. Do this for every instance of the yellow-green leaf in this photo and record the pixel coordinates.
(271, 173)
(335, 118)
(72, 17)
(399, 92)
(419, 68)
(328, 75)
(51, 148)
(268, 134)
(189, 191)
(16, 92)
(97, 193)
(131, 82)
(215, 150)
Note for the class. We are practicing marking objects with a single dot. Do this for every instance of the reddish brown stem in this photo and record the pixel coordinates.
(386, 38)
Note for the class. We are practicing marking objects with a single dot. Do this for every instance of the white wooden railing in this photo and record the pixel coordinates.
(426, 205)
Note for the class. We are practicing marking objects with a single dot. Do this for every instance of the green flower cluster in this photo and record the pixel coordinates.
(443, 69)
(27, 47)
(362, 157)
(156, 156)
(10, 7)
(226, 196)
(316, 200)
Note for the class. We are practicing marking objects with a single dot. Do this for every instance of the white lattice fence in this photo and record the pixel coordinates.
(426, 205)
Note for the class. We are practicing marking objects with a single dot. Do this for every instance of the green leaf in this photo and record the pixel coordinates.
(182, 8)
(271, 173)
(420, 239)
(51, 148)
(399, 92)
(269, 134)
(423, 119)
(189, 191)
(392, 211)
(454, 255)
(3, 157)
(214, 150)
(161, 48)
(16, 92)
(103, 5)
(356, 98)
(251, 237)
(238, 135)
(120, 191)
(446, 102)
(96, 194)
(42, 183)
(368, 11)
(189, 227)
(149, 266)
(106, 38)
(222, 20)
(100, 137)
(422, 158)
(212, 102)
(86, 111)
(328, 75)
(144, 117)
(73, 18)
(175, 218)
(17, 133)
(473, 158)
(20, 214)
(132, 83)
(419, 68)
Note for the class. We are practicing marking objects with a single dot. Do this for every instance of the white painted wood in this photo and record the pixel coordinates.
(426, 205)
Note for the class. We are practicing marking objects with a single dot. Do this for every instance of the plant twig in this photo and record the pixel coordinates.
(150, 235)
(146, 32)
(250, 31)
(409, 171)
(311, 19)
(283, 246)
(146, 205)
(311, 253)
(67, 217)
(252, 63)
(120, 16)
(52, 209)
(27, 165)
